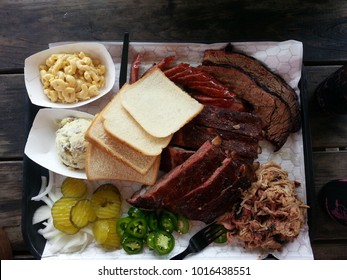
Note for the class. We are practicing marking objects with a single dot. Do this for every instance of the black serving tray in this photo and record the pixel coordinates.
(32, 173)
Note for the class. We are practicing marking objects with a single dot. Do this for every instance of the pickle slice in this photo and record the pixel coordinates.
(73, 187)
(106, 201)
(113, 240)
(82, 213)
(61, 215)
(100, 231)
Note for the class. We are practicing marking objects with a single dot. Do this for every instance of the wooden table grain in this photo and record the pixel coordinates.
(28, 26)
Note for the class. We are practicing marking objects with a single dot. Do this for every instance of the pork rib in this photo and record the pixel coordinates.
(180, 180)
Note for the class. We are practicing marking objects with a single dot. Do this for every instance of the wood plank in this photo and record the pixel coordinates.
(34, 24)
(12, 117)
(324, 171)
(11, 173)
(327, 130)
(330, 251)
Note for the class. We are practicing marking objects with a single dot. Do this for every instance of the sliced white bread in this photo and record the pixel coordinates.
(121, 125)
(97, 135)
(101, 166)
(158, 105)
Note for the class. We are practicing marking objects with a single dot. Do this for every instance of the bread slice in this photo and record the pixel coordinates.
(121, 125)
(158, 105)
(100, 166)
(97, 135)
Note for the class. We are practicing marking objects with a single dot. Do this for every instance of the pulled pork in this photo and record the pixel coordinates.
(270, 214)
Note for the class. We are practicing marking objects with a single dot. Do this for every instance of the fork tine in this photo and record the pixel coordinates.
(214, 232)
(202, 239)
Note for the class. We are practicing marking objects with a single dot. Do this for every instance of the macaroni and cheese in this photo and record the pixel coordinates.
(70, 78)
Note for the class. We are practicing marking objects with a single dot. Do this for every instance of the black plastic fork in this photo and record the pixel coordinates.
(201, 240)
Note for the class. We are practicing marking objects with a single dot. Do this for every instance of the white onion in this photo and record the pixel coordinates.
(42, 213)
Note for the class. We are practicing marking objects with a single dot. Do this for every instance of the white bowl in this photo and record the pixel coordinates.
(32, 72)
(40, 146)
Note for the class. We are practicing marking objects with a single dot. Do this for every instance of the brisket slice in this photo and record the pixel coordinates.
(273, 112)
(261, 74)
(247, 124)
(218, 199)
(180, 180)
(191, 136)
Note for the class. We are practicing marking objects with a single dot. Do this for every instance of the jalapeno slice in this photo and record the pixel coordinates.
(122, 224)
(134, 212)
(150, 240)
(152, 221)
(222, 239)
(131, 244)
(182, 224)
(137, 227)
(164, 242)
(168, 221)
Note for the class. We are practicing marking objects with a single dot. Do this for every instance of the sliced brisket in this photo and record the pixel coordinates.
(247, 124)
(274, 113)
(191, 136)
(261, 74)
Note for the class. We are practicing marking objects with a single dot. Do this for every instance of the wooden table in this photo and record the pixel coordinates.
(28, 26)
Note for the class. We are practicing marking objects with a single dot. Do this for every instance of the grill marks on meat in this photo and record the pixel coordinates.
(261, 74)
(273, 112)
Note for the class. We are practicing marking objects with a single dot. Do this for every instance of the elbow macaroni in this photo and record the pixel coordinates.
(70, 78)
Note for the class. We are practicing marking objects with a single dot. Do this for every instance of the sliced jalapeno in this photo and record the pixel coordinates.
(150, 240)
(168, 221)
(152, 221)
(137, 227)
(222, 239)
(122, 225)
(182, 224)
(131, 244)
(164, 242)
(134, 212)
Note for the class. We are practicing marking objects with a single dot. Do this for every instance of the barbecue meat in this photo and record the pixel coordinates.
(244, 123)
(194, 204)
(172, 156)
(226, 199)
(275, 84)
(207, 89)
(202, 188)
(182, 179)
(192, 136)
(273, 112)
(240, 131)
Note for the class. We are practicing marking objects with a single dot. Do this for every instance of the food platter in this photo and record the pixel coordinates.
(284, 58)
